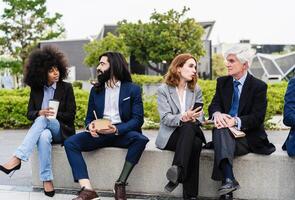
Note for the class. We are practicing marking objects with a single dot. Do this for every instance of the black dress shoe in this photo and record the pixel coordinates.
(173, 174)
(170, 186)
(228, 196)
(228, 186)
(10, 171)
(49, 193)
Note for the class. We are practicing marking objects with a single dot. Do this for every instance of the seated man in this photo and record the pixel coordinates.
(289, 117)
(240, 102)
(116, 98)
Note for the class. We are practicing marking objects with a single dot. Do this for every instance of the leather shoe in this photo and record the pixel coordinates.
(86, 194)
(170, 186)
(48, 193)
(228, 186)
(228, 196)
(173, 174)
(120, 191)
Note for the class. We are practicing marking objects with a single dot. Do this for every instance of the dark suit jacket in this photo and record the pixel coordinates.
(252, 109)
(130, 107)
(289, 117)
(66, 110)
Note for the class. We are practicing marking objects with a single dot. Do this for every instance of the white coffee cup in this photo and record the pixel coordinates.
(53, 104)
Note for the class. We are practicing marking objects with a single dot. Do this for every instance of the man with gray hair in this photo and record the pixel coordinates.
(239, 102)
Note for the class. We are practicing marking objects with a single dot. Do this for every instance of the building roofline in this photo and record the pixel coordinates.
(64, 40)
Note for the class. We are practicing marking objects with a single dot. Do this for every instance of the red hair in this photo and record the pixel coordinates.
(172, 77)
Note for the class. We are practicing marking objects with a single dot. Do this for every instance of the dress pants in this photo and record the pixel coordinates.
(187, 144)
(226, 146)
(76, 144)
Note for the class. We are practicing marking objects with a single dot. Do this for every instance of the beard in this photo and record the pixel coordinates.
(103, 77)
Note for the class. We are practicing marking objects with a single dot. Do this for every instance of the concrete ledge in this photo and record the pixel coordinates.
(261, 177)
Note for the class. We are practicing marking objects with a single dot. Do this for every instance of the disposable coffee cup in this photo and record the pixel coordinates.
(53, 105)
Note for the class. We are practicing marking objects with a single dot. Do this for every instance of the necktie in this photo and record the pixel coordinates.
(235, 101)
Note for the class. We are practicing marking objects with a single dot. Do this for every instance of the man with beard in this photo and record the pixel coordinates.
(116, 98)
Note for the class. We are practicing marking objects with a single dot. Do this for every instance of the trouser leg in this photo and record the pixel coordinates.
(191, 184)
(74, 147)
(44, 152)
(27, 146)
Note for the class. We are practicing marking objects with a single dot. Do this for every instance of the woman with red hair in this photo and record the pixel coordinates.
(180, 124)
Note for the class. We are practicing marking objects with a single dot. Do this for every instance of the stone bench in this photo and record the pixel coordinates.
(261, 177)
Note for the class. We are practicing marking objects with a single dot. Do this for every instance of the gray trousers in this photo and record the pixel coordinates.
(226, 146)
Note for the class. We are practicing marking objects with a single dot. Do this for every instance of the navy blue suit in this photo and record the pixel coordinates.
(289, 117)
(130, 136)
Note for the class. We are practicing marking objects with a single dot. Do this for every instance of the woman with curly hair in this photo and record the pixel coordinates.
(45, 71)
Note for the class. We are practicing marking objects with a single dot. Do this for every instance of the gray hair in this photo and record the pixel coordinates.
(243, 54)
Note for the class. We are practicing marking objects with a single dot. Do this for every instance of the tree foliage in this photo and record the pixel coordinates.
(97, 47)
(24, 23)
(163, 37)
(13, 64)
(218, 66)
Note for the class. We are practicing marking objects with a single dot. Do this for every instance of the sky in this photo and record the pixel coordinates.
(260, 21)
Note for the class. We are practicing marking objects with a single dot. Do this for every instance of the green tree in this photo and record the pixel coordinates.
(218, 66)
(95, 48)
(24, 23)
(163, 37)
(11, 63)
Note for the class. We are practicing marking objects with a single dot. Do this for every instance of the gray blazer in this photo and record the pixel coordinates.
(169, 110)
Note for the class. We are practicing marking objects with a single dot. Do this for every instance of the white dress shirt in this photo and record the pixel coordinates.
(111, 103)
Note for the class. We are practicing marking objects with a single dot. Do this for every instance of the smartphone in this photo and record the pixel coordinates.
(198, 104)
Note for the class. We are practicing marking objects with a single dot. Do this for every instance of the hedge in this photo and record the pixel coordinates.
(13, 103)
(13, 108)
(275, 98)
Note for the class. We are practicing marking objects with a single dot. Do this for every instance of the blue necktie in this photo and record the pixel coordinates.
(235, 101)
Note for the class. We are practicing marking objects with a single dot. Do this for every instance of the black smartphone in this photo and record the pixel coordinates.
(198, 104)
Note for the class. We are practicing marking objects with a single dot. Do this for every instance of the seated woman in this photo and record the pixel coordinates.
(179, 124)
(46, 69)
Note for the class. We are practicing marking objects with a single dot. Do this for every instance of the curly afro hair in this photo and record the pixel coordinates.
(40, 62)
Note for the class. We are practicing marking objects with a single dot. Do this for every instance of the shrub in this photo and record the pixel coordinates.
(13, 103)
(13, 111)
(151, 114)
(275, 97)
(146, 79)
(77, 84)
(13, 108)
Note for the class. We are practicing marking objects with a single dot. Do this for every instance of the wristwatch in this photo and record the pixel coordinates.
(236, 121)
(116, 132)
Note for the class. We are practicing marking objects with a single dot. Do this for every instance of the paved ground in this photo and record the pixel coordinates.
(19, 186)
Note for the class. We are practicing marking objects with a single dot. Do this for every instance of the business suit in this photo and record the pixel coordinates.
(66, 110)
(129, 130)
(251, 111)
(289, 117)
(185, 139)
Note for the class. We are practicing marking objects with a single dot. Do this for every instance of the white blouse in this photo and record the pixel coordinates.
(182, 100)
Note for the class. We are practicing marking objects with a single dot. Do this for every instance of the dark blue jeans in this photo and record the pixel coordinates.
(134, 141)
